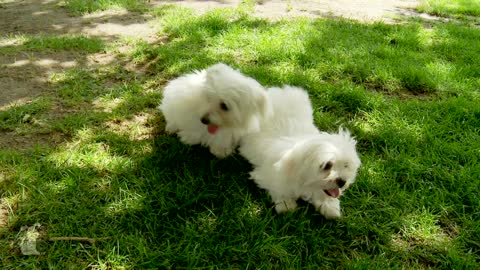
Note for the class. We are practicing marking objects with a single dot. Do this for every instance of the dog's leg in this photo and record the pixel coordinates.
(329, 208)
(189, 137)
(223, 145)
(221, 151)
(171, 128)
(283, 203)
(283, 206)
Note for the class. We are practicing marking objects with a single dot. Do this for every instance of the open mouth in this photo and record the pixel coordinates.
(212, 129)
(335, 193)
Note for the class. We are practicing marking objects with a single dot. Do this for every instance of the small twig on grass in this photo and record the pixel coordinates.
(82, 239)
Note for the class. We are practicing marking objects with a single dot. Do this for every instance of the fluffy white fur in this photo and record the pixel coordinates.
(214, 107)
(293, 160)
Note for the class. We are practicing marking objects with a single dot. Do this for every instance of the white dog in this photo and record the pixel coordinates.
(214, 107)
(293, 160)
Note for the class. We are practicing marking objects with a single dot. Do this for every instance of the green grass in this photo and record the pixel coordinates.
(450, 8)
(80, 7)
(408, 92)
(18, 116)
(21, 43)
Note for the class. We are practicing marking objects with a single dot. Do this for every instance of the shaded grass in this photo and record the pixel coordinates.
(19, 115)
(80, 7)
(81, 43)
(409, 94)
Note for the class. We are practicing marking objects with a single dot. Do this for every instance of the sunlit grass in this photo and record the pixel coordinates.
(424, 229)
(383, 57)
(450, 7)
(408, 93)
(10, 40)
(94, 156)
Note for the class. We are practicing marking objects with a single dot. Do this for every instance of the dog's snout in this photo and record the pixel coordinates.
(205, 120)
(340, 182)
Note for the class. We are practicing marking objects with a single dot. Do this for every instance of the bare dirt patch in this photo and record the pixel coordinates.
(138, 128)
(36, 17)
(363, 10)
(14, 140)
(23, 75)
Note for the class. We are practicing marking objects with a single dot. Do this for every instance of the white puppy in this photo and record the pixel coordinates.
(214, 107)
(293, 160)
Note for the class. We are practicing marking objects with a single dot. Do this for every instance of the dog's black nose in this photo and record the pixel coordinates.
(205, 120)
(340, 182)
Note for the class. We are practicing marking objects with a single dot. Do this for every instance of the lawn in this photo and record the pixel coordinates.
(457, 8)
(409, 92)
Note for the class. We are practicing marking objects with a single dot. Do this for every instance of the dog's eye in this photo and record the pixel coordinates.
(223, 106)
(327, 166)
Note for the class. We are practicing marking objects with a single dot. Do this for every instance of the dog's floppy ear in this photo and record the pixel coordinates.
(292, 161)
(264, 105)
(214, 71)
(325, 168)
(287, 163)
(300, 156)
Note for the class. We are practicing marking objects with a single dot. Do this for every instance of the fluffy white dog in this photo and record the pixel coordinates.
(214, 107)
(293, 160)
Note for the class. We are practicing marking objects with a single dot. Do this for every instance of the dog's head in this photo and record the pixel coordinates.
(327, 161)
(233, 99)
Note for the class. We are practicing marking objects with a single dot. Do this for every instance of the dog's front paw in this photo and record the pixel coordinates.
(171, 128)
(330, 209)
(221, 152)
(284, 206)
(188, 138)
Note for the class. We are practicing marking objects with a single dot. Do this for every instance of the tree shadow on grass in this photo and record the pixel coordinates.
(164, 204)
(40, 39)
(41, 17)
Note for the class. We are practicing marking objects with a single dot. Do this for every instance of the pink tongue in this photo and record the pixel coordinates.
(334, 192)
(212, 129)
